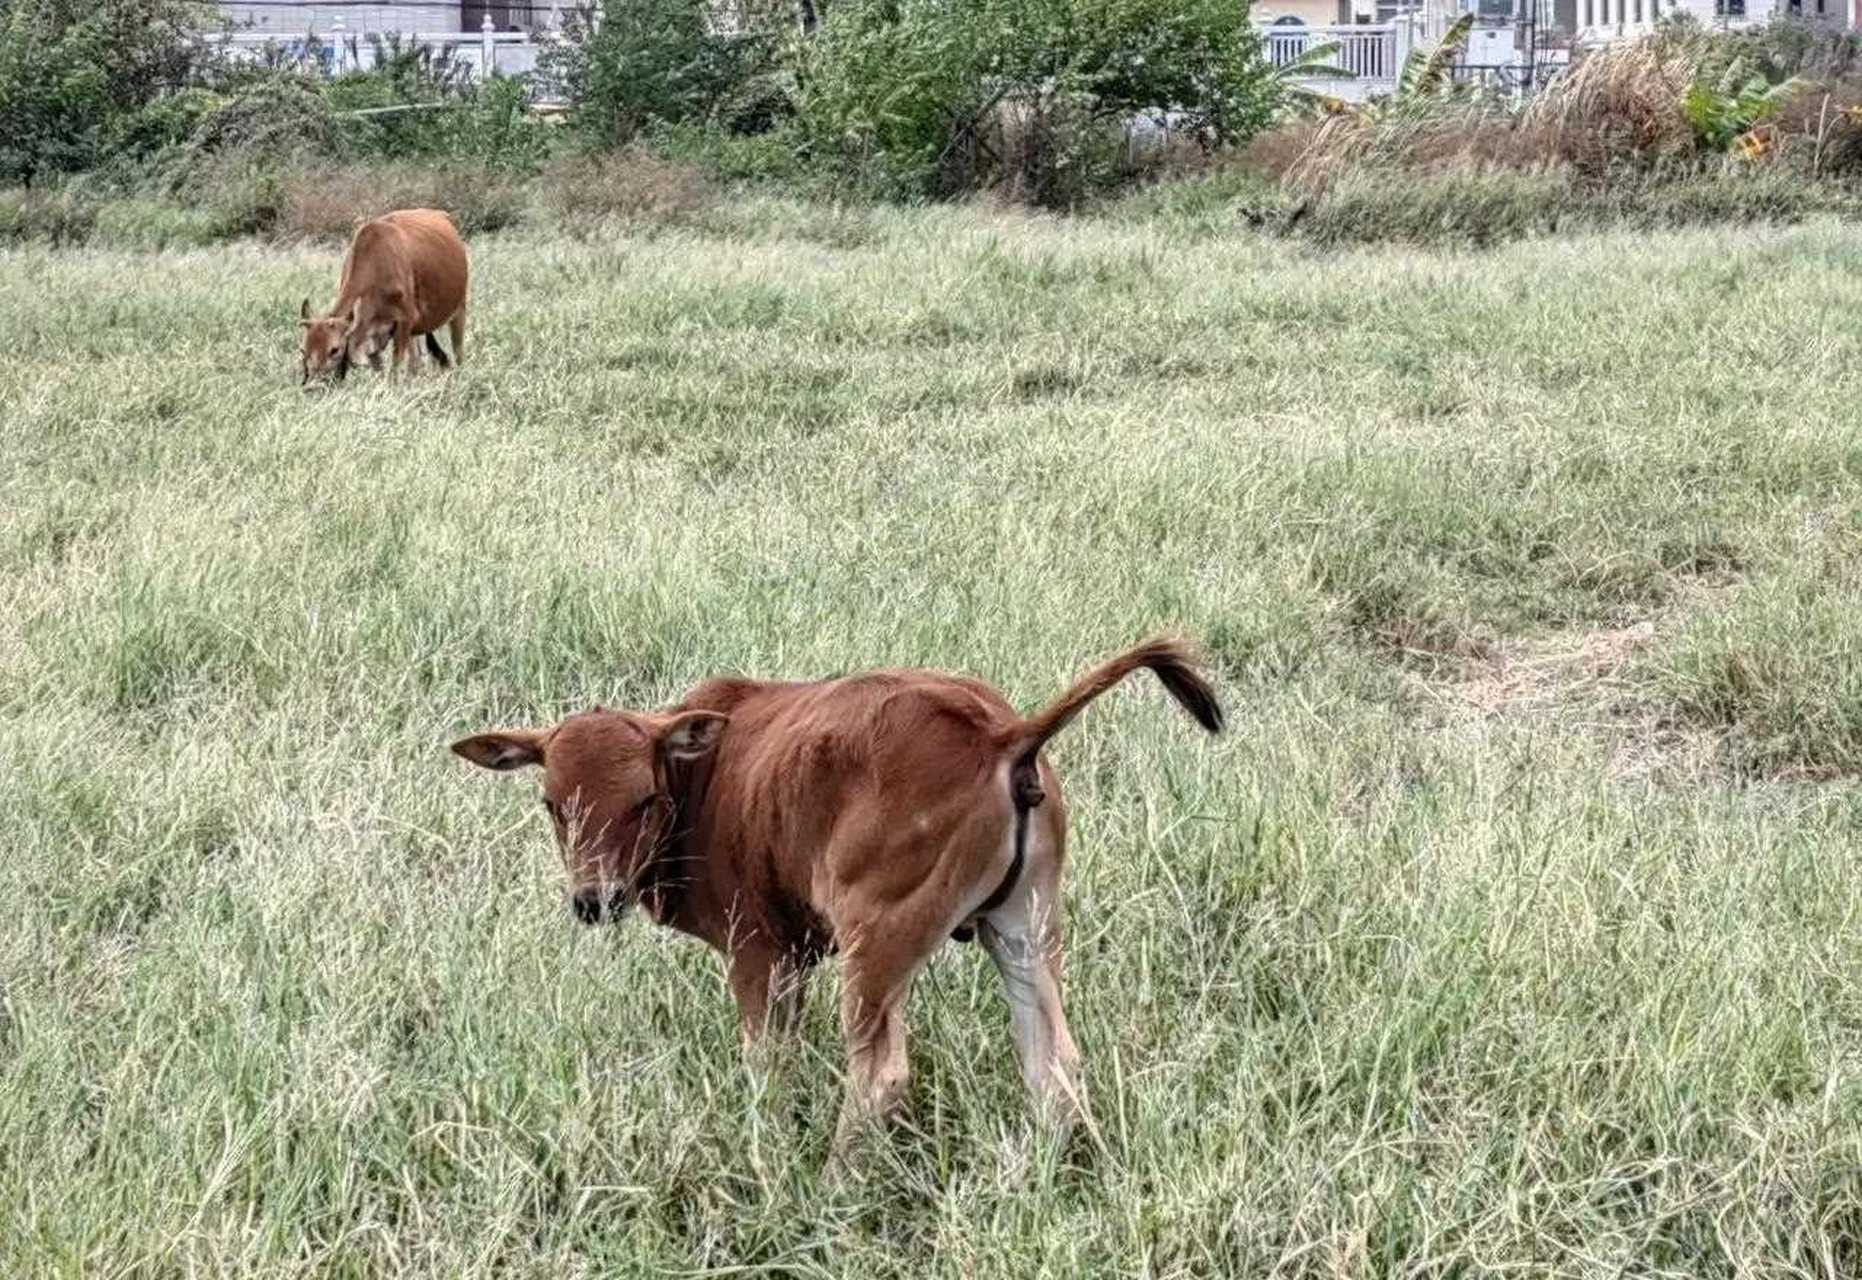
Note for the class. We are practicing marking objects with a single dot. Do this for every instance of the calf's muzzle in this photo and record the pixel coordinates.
(597, 906)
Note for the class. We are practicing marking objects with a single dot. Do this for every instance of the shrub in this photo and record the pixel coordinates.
(70, 70)
(631, 184)
(649, 62)
(493, 125)
(926, 97)
(778, 156)
(1470, 206)
(50, 216)
(166, 122)
(141, 222)
(1786, 47)
(284, 119)
(1818, 129)
(1734, 196)
(325, 203)
(448, 115)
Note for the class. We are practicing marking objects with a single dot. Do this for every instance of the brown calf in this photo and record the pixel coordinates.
(875, 815)
(403, 277)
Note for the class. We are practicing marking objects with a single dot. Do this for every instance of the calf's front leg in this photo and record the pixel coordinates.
(769, 988)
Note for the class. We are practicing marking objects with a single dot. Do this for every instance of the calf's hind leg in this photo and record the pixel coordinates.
(1023, 937)
(880, 960)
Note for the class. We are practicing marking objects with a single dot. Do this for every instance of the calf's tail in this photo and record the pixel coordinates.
(1174, 664)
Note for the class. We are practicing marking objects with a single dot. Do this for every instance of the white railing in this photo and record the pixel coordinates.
(1368, 52)
(337, 50)
(1372, 53)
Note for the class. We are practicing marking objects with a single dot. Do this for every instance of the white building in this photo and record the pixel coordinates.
(1593, 21)
(284, 18)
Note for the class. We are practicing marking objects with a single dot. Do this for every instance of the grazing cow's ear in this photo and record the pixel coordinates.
(508, 749)
(692, 734)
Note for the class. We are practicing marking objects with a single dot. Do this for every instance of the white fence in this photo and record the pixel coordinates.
(1373, 54)
(1368, 52)
(338, 50)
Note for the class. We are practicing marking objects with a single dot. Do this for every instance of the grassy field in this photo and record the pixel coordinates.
(1512, 930)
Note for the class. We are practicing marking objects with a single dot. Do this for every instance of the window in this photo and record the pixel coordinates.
(1729, 8)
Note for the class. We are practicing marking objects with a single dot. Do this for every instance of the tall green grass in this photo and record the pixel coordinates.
(1467, 952)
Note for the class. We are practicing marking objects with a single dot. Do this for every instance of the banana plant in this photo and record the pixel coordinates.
(1735, 104)
(1427, 73)
(1314, 63)
(1424, 74)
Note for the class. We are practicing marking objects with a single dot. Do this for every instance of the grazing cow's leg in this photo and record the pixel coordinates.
(403, 340)
(788, 990)
(456, 328)
(769, 991)
(877, 1069)
(1023, 937)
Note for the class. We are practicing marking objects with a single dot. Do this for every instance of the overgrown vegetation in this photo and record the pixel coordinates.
(75, 75)
(1684, 126)
(1058, 104)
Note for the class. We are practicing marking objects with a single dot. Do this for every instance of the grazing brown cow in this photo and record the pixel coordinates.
(875, 815)
(403, 277)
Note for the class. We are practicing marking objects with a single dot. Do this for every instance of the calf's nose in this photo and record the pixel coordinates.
(588, 906)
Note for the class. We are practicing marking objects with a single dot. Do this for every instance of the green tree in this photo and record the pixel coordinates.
(921, 92)
(70, 70)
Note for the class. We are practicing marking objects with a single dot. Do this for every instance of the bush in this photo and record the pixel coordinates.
(166, 122)
(70, 70)
(1818, 130)
(780, 156)
(141, 222)
(924, 97)
(493, 126)
(57, 217)
(326, 203)
(1786, 47)
(1471, 206)
(650, 62)
(275, 122)
(631, 184)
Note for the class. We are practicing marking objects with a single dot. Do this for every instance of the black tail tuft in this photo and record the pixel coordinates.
(1192, 693)
(438, 352)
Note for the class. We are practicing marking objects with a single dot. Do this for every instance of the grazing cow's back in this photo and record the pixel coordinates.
(875, 815)
(404, 276)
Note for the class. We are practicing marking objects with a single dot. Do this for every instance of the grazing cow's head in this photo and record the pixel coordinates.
(327, 342)
(611, 782)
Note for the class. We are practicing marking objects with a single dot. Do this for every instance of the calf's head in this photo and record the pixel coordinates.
(612, 785)
(327, 341)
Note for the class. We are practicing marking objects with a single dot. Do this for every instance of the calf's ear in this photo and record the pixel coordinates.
(303, 315)
(691, 735)
(506, 749)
